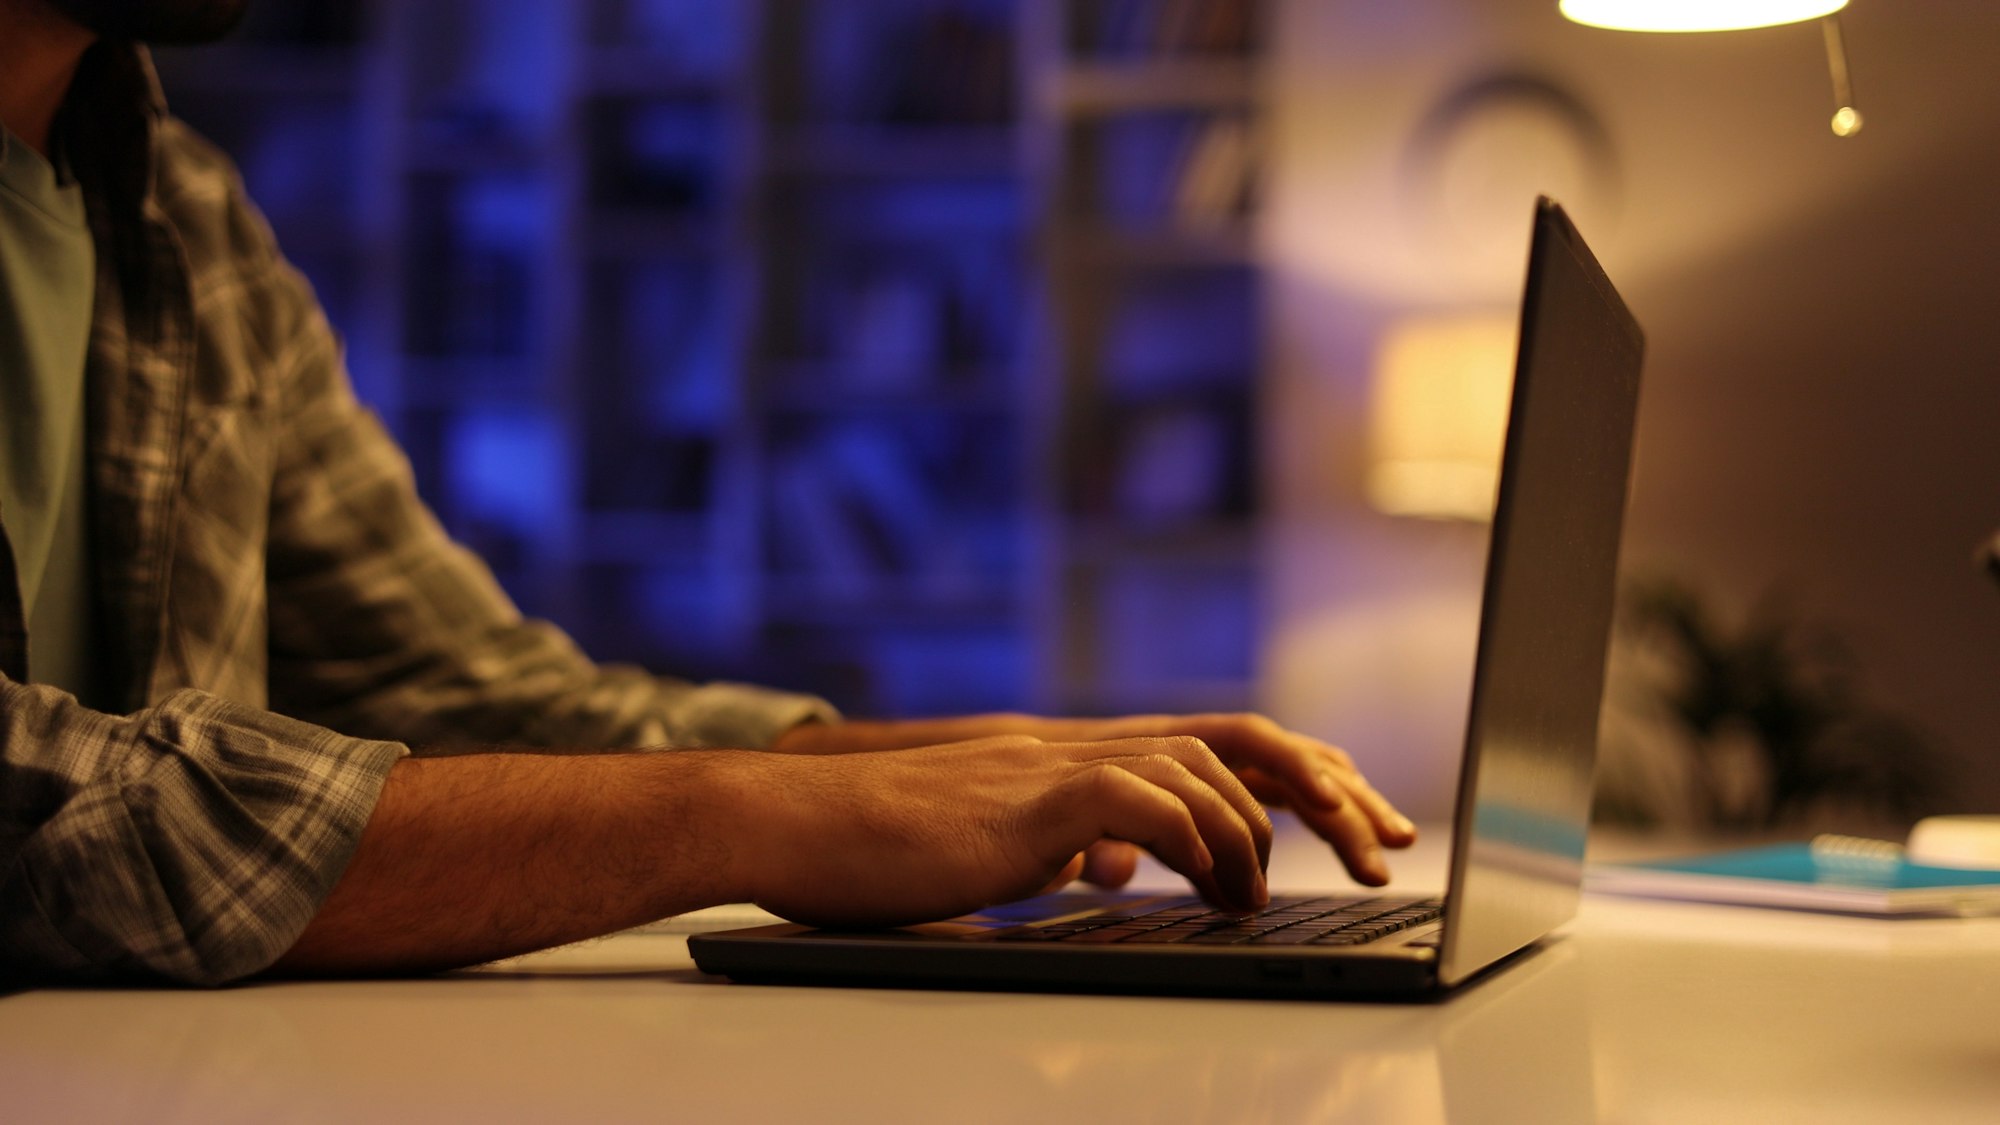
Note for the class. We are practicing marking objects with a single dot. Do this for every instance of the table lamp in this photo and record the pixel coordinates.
(1439, 416)
(1732, 15)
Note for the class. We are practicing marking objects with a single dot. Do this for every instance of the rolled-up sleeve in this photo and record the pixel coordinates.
(190, 842)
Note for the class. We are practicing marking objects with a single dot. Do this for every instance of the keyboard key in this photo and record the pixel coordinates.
(1286, 921)
(1106, 936)
(1289, 935)
(1165, 935)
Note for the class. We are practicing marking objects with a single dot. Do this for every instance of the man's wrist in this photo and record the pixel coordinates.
(753, 810)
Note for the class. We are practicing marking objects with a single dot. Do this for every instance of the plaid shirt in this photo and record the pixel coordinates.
(266, 577)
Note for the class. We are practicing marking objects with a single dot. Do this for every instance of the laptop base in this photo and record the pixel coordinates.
(877, 960)
(981, 952)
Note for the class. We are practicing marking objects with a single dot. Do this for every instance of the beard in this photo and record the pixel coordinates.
(166, 22)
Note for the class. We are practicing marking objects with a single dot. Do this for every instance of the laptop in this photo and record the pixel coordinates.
(1524, 790)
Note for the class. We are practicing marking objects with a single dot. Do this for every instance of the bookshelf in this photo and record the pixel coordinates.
(900, 350)
(1149, 114)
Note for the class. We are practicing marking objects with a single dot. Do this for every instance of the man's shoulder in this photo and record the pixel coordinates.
(192, 162)
(201, 192)
(257, 314)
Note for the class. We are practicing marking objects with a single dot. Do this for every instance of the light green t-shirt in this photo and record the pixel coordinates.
(47, 295)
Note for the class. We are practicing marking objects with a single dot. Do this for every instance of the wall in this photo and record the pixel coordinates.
(1822, 411)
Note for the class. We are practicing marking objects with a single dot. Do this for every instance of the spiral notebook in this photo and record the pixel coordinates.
(1805, 876)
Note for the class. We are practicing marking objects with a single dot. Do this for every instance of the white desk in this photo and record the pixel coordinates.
(1639, 1012)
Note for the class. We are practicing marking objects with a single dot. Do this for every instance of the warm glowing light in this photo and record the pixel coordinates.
(1847, 122)
(1695, 15)
(1442, 387)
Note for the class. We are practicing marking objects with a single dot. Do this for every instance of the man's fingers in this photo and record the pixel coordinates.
(1239, 857)
(1108, 799)
(1314, 772)
(1307, 772)
(1353, 837)
(1391, 826)
(1271, 791)
(1110, 863)
(1195, 756)
(1071, 870)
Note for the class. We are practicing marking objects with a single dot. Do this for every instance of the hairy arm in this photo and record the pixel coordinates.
(472, 858)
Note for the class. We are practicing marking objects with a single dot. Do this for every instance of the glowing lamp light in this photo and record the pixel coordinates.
(1733, 15)
(1695, 15)
(1439, 416)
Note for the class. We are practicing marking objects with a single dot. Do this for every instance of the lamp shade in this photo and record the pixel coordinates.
(1439, 416)
(1695, 15)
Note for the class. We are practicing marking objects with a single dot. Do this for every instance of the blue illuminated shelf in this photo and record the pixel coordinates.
(892, 151)
(444, 383)
(900, 350)
(645, 537)
(638, 235)
(650, 72)
(955, 401)
(430, 153)
(808, 605)
(1151, 584)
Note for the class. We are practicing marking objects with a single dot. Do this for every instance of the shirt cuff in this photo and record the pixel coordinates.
(723, 714)
(205, 853)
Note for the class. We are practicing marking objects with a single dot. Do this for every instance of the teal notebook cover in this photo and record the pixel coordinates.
(1800, 877)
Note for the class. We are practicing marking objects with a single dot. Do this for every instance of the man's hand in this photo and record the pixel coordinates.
(890, 838)
(1280, 767)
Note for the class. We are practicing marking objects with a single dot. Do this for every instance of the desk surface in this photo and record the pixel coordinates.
(1636, 1012)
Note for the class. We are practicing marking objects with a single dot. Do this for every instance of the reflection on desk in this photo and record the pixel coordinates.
(1638, 1012)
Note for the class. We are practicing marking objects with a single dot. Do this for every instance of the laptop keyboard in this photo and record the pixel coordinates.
(1286, 921)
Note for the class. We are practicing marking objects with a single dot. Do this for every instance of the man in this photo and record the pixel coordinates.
(215, 561)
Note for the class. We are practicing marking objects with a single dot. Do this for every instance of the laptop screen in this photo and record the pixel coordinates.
(1545, 627)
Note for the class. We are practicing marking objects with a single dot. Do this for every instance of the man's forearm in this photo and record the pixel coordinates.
(468, 859)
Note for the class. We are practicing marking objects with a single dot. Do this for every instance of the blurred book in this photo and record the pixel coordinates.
(893, 328)
(1175, 463)
(1216, 175)
(1801, 876)
(1174, 170)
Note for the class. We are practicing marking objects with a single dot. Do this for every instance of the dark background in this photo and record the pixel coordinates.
(946, 354)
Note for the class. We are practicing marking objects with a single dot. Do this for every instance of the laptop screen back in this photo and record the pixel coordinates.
(1551, 570)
